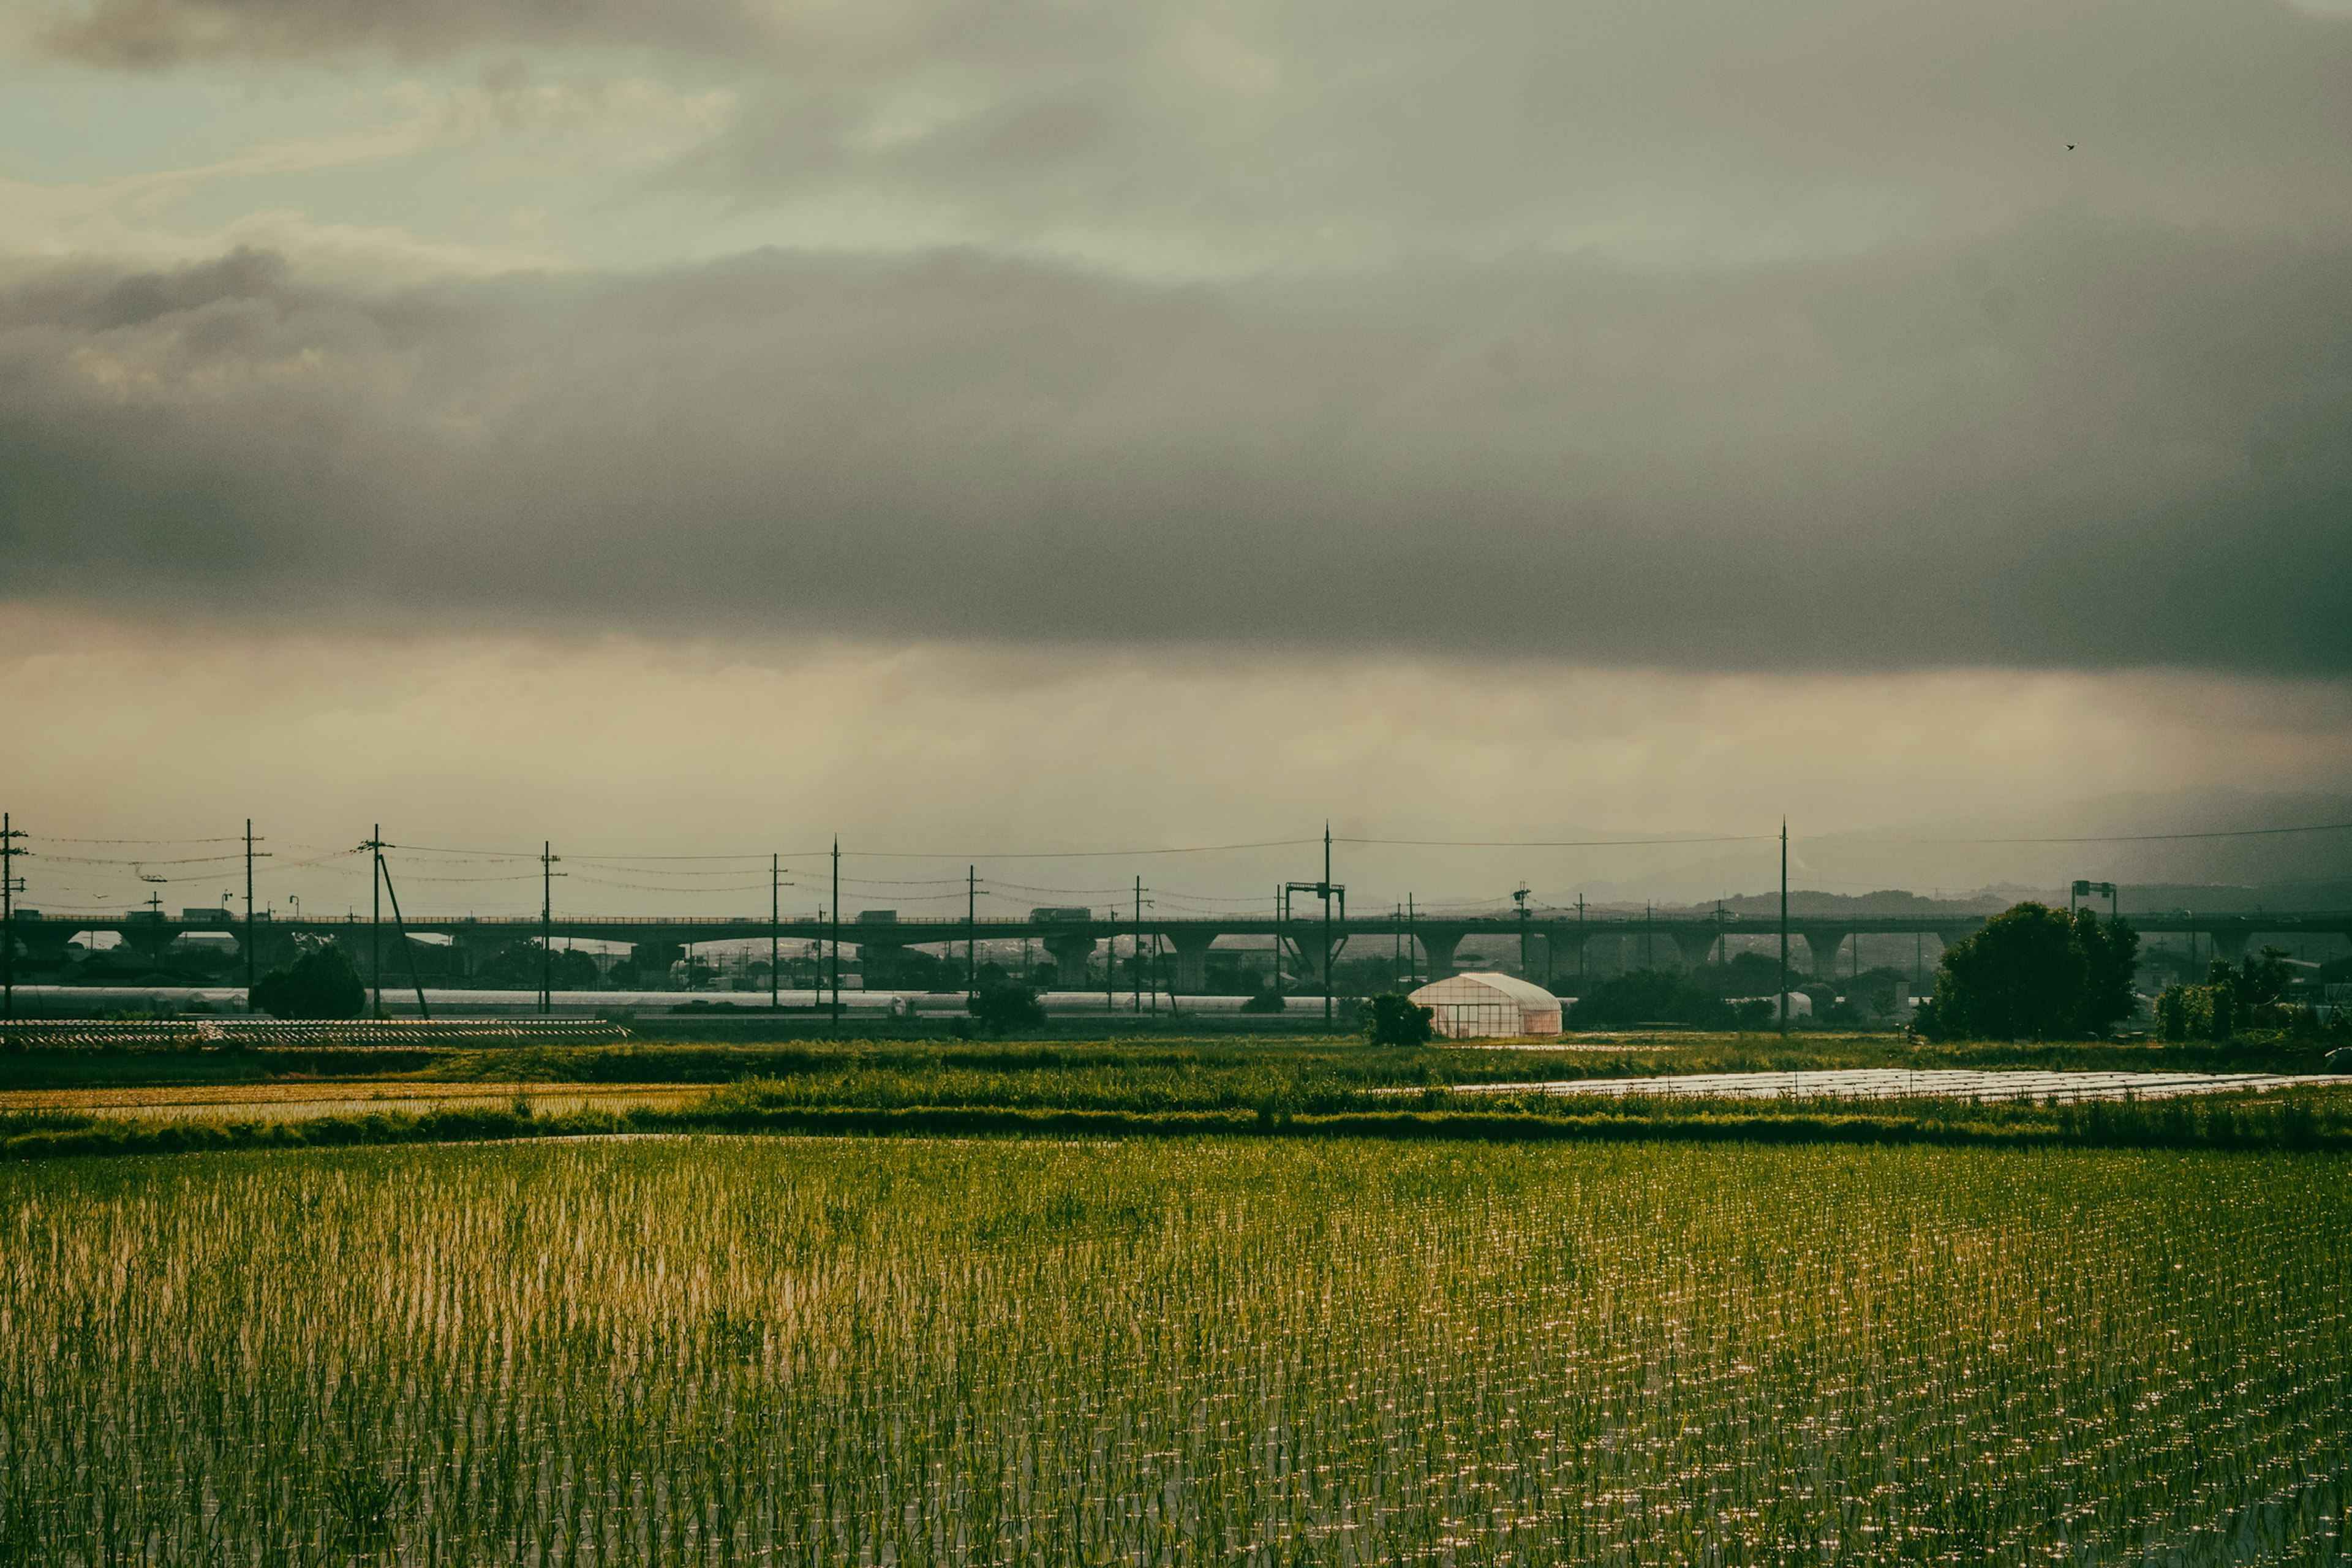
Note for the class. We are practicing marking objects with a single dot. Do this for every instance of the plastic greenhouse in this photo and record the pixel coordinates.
(1481, 1004)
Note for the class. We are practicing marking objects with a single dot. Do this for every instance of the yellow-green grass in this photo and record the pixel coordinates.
(1175, 1351)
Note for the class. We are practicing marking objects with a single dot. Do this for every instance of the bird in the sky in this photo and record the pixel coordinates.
(2070, 146)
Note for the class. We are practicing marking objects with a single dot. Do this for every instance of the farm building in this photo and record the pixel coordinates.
(1483, 1003)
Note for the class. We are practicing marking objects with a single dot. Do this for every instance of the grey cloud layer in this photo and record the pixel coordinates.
(2081, 442)
(139, 35)
(1331, 130)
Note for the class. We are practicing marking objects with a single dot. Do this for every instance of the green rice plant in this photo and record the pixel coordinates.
(1233, 1351)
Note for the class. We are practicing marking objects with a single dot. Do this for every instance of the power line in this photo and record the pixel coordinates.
(52, 838)
(1551, 842)
(97, 860)
(2128, 837)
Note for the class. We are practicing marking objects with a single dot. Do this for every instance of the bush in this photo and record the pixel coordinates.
(521, 965)
(1394, 1020)
(2249, 996)
(1000, 1008)
(2173, 1012)
(1264, 1001)
(319, 984)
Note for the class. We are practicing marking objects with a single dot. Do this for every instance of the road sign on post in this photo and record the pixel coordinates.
(2088, 890)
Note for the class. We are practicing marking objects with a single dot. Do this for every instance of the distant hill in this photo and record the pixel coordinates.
(1998, 858)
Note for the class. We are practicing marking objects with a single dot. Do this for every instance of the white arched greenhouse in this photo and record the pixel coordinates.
(1479, 1004)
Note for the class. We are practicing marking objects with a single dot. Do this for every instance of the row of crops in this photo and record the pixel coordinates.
(342, 1034)
(1232, 1352)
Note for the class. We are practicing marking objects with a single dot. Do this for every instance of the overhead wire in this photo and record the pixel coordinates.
(2131, 837)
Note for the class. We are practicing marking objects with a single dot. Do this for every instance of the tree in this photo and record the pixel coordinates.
(519, 966)
(2256, 981)
(2034, 971)
(1648, 996)
(319, 984)
(1394, 1020)
(2226, 1003)
(2110, 963)
(1000, 1008)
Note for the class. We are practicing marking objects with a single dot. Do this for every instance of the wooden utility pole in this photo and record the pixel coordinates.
(776, 929)
(970, 934)
(837, 933)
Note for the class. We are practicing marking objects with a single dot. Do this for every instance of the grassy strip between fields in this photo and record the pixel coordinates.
(2276, 1122)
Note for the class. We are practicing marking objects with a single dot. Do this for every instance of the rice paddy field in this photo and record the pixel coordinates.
(299, 1100)
(1256, 1351)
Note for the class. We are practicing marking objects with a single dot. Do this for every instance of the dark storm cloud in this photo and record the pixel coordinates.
(2079, 443)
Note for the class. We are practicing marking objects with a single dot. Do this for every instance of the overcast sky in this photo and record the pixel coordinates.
(1116, 424)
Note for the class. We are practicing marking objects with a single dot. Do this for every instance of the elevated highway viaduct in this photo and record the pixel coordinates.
(1815, 941)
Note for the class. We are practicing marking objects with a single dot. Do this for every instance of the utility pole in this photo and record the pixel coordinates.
(1582, 943)
(970, 934)
(1411, 944)
(374, 846)
(1519, 897)
(547, 858)
(775, 931)
(837, 933)
(1784, 927)
(1324, 890)
(400, 932)
(1138, 946)
(9, 887)
(248, 910)
(1281, 902)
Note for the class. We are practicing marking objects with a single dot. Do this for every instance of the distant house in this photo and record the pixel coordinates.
(1483, 1003)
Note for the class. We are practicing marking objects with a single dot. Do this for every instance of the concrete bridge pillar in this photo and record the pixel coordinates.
(880, 961)
(1823, 945)
(391, 952)
(2229, 942)
(1072, 951)
(1695, 945)
(148, 938)
(1437, 946)
(473, 950)
(1191, 958)
(272, 949)
(650, 961)
(45, 943)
